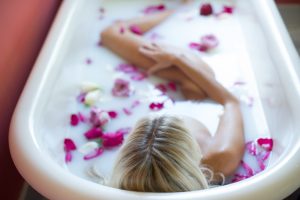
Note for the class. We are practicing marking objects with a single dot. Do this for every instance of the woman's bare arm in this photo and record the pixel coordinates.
(119, 39)
(226, 148)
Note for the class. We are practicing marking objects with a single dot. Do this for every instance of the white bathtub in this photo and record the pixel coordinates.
(275, 72)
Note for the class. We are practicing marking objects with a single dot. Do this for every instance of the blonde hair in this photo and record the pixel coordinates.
(160, 155)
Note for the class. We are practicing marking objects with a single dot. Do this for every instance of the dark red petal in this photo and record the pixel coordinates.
(228, 9)
(69, 145)
(112, 139)
(172, 86)
(156, 106)
(266, 143)
(93, 133)
(206, 9)
(153, 9)
(74, 120)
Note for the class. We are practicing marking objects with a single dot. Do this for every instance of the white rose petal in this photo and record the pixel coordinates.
(88, 87)
(92, 97)
(88, 147)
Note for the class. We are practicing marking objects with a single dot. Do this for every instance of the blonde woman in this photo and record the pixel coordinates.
(174, 153)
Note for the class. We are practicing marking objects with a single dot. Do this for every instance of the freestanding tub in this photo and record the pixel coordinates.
(275, 67)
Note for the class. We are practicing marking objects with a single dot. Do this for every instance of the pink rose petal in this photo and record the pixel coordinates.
(194, 45)
(93, 133)
(138, 76)
(94, 154)
(74, 120)
(239, 177)
(135, 104)
(81, 117)
(251, 148)
(210, 41)
(68, 157)
(112, 139)
(154, 9)
(206, 9)
(81, 97)
(135, 29)
(248, 169)
(266, 143)
(121, 88)
(127, 111)
(88, 61)
(156, 106)
(126, 68)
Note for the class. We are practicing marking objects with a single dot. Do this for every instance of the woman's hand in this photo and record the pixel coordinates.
(162, 55)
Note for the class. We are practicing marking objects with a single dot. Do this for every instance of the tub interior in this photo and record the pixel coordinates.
(243, 56)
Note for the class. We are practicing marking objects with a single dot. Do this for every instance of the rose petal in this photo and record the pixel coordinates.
(248, 169)
(74, 120)
(210, 41)
(112, 139)
(172, 86)
(68, 157)
(121, 88)
(112, 114)
(162, 88)
(126, 68)
(81, 117)
(94, 154)
(194, 45)
(156, 106)
(251, 148)
(138, 76)
(154, 9)
(93, 133)
(228, 9)
(135, 104)
(266, 143)
(69, 145)
(88, 147)
(127, 111)
(81, 97)
(135, 29)
(206, 9)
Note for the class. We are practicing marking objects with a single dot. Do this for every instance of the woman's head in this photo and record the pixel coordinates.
(159, 156)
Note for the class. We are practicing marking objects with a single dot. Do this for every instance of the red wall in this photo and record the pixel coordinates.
(23, 27)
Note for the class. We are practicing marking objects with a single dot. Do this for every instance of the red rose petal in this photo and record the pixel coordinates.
(112, 139)
(206, 9)
(93, 133)
(162, 88)
(69, 145)
(112, 114)
(194, 45)
(172, 86)
(94, 154)
(74, 120)
(156, 106)
(228, 9)
(266, 143)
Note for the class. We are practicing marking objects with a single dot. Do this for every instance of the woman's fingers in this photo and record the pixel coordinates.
(157, 67)
(147, 52)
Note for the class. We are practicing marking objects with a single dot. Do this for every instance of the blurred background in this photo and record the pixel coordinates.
(24, 26)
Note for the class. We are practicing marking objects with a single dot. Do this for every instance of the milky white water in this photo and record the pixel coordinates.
(230, 62)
